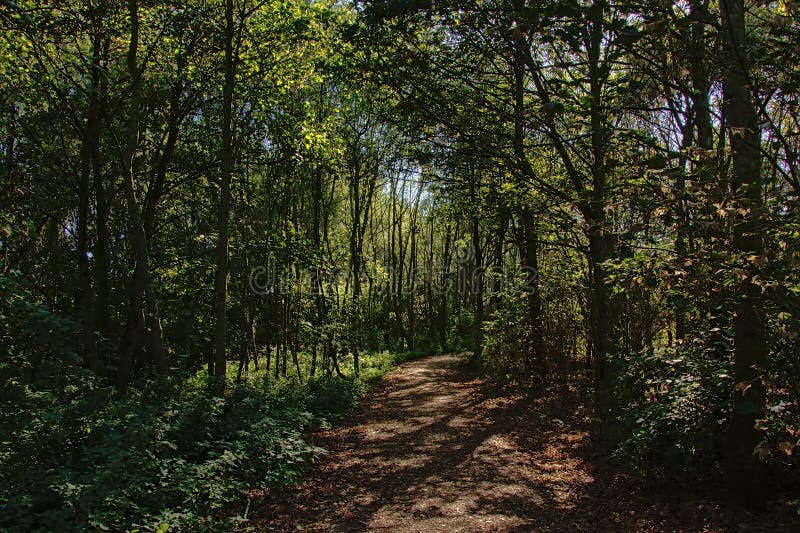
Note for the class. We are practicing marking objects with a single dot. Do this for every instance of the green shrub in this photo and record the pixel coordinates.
(333, 396)
(673, 406)
(506, 340)
(158, 456)
(74, 454)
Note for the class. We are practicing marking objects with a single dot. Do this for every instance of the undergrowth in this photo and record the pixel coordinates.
(76, 455)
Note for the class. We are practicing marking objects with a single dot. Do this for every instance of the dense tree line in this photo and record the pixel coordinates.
(288, 186)
(150, 148)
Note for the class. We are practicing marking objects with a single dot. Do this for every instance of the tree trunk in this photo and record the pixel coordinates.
(445, 289)
(602, 328)
(223, 212)
(316, 279)
(706, 170)
(535, 363)
(750, 345)
(142, 278)
(355, 267)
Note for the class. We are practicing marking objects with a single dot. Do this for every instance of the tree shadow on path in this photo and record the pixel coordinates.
(438, 449)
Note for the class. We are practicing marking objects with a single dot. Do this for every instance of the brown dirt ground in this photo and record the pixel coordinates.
(436, 448)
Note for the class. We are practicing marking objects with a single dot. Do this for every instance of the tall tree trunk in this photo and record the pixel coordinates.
(750, 345)
(477, 279)
(706, 170)
(355, 267)
(411, 284)
(391, 308)
(246, 326)
(601, 241)
(142, 277)
(316, 279)
(360, 203)
(431, 315)
(535, 362)
(223, 213)
(445, 289)
(474, 280)
(699, 74)
(527, 239)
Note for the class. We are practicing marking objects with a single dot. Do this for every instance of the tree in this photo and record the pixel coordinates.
(750, 347)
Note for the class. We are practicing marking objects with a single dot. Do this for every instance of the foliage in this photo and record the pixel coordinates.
(675, 406)
(506, 344)
(296, 186)
(29, 332)
(75, 454)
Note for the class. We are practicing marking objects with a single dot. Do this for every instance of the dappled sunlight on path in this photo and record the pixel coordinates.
(437, 449)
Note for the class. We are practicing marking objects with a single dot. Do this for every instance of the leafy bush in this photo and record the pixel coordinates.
(781, 421)
(674, 405)
(159, 456)
(505, 341)
(29, 333)
(334, 396)
(75, 454)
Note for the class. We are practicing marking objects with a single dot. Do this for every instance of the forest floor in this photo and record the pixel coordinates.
(436, 448)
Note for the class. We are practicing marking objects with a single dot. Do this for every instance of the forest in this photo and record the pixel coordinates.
(224, 223)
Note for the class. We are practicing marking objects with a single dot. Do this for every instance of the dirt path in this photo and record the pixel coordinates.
(436, 449)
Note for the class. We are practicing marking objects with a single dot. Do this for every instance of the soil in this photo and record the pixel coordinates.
(436, 448)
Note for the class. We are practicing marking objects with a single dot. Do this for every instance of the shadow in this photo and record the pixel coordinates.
(436, 448)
